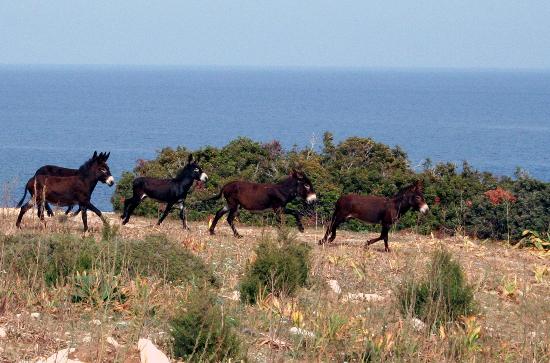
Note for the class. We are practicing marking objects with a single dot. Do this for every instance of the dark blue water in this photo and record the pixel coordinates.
(59, 115)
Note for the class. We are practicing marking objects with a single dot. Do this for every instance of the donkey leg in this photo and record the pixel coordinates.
(94, 209)
(335, 222)
(165, 213)
(85, 218)
(296, 216)
(49, 210)
(68, 210)
(385, 231)
(183, 217)
(217, 217)
(23, 210)
(76, 212)
(230, 220)
(129, 206)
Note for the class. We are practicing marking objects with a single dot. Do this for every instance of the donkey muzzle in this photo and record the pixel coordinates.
(203, 178)
(110, 181)
(424, 209)
(311, 198)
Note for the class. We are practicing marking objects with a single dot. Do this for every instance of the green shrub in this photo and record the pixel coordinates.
(202, 333)
(156, 255)
(443, 295)
(277, 269)
(95, 288)
(457, 198)
(55, 258)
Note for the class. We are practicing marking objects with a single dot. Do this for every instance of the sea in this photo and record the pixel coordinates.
(496, 120)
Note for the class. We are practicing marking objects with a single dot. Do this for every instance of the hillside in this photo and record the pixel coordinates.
(512, 290)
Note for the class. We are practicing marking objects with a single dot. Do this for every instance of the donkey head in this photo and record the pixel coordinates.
(99, 168)
(193, 170)
(414, 195)
(305, 188)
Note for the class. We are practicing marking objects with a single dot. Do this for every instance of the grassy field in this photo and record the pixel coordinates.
(512, 293)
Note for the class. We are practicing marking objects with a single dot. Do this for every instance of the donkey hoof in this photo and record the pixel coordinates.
(238, 236)
(301, 229)
(212, 233)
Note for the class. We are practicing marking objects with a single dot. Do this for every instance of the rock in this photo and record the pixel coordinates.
(60, 357)
(335, 286)
(95, 322)
(235, 296)
(87, 339)
(3, 333)
(299, 331)
(359, 296)
(418, 324)
(113, 342)
(35, 315)
(149, 353)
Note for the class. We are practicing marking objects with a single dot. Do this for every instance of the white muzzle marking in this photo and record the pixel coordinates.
(424, 208)
(203, 178)
(110, 180)
(311, 198)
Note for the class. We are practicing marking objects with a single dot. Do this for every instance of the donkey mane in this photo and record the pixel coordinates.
(407, 189)
(182, 173)
(83, 169)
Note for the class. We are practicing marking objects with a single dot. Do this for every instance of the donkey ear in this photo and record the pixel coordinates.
(190, 158)
(107, 156)
(95, 155)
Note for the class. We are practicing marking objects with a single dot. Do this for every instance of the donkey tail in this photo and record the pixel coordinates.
(215, 197)
(22, 199)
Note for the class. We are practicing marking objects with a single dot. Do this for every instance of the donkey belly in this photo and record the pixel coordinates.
(62, 198)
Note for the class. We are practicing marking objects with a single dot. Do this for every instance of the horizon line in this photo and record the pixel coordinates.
(275, 67)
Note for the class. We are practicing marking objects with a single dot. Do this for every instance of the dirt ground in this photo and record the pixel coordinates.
(512, 290)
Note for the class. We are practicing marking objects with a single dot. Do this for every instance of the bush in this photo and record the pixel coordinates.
(57, 257)
(443, 295)
(277, 269)
(201, 332)
(460, 200)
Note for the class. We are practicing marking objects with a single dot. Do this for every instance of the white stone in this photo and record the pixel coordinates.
(60, 357)
(95, 322)
(35, 315)
(418, 324)
(3, 332)
(359, 296)
(87, 339)
(235, 295)
(335, 286)
(299, 331)
(149, 353)
(113, 342)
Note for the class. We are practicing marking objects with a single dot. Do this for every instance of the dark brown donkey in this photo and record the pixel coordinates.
(68, 190)
(258, 197)
(169, 191)
(376, 210)
(54, 170)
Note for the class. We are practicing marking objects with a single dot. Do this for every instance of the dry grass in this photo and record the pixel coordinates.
(513, 304)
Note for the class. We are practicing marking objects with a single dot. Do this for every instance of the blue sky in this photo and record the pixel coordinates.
(295, 33)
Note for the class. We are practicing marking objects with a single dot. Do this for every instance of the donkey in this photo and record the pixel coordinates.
(68, 190)
(169, 191)
(258, 197)
(376, 210)
(54, 170)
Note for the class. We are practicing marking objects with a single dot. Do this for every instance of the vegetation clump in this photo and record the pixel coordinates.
(201, 332)
(278, 269)
(57, 258)
(461, 199)
(442, 296)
